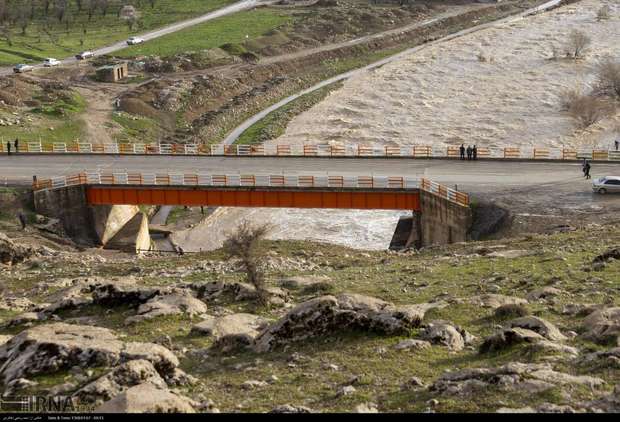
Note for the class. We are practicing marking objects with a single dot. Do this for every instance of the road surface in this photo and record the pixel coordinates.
(20, 169)
(238, 131)
(228, 10)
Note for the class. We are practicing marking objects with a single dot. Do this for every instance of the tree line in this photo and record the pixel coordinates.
(22, 13)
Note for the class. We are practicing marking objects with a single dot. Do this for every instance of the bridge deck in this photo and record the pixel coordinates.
(295, 191)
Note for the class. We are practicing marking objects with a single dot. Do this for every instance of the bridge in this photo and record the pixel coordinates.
(100, 207)
(272, 191)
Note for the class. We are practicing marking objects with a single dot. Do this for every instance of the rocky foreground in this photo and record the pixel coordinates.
(527, 325)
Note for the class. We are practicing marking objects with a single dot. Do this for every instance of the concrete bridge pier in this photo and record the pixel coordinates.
(439, 222)
(123, 227)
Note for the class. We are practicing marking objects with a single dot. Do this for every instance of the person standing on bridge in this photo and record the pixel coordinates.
(469, 152)
(16, 145)
(617, 144)
(8, 148)
(586, 170)
(462, 150)
(474, 152)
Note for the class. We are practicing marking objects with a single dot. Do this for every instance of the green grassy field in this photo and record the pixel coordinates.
(233, 29)
(49, 38)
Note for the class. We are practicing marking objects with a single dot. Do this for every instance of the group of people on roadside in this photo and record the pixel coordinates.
(472, 152)
(8, 146)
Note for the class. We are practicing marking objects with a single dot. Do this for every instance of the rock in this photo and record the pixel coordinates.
(580, 309)
(519, 377)
(179, 378)
(61, 389)
(508, 337)
(413, 383)
(603, 326)
(510, 311)
(305, 282)
(412, 344)
(232, 331)
(549, 346)
(121, 292)
(19, 304)
(538, 325)
(25, 318)
(515, 410)
(607, 404)
(561, 378)
(12, 253)
(253, 384)
(287, 408)
(366, 408)
(346, 390)
(611, 354)
(509, 254)
(175, 303)
(147, 398)
(607, 256)
(127, 375)
(543, 293)
(52, 347)
(4, 339)
(447, 334)
(327, 314)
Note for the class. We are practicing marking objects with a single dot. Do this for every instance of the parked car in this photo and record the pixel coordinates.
(607, 184)
(85, 55)
(134, 41)
(51, 62)
(21, 68)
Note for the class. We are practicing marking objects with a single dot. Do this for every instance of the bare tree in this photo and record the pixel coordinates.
(578, 43)
(608, 78)
(244, 244)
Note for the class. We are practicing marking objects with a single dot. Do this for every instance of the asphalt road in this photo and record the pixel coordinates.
(228, 10)
(20, 169)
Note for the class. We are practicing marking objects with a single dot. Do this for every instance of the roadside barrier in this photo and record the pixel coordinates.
(313, 150)
(253, 180)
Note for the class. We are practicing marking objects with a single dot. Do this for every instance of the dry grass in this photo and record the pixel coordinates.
(608, 78)
(577, 44)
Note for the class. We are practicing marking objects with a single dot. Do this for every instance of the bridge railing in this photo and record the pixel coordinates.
(445, 192)
(252, 180)
(313, 150)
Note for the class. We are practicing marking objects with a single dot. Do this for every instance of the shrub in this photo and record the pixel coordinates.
(244, 244)
(577, 44)
(608, 78)
(603, 13)
(587, 109)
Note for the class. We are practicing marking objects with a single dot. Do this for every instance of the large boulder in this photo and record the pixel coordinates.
(603, 325)
(54, 347)
(447, 334)
(177, 302)
(127, 375)
(538, 325)
(508, 337)
(12, 253)
(529, 378)
(147, 398)
(328, 314)
(232, 331)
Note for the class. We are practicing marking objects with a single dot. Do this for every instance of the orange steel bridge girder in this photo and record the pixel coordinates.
(389, 199)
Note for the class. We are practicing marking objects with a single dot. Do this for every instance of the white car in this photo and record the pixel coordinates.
(51, 62)
(85, 55)
(22, 68)
(607, 184)
(134, 41)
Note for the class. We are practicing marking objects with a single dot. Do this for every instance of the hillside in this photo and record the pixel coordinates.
(526, 312)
